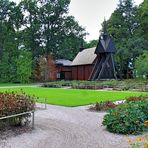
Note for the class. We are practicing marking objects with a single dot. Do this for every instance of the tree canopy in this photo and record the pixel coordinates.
(141, 65)
(42, 27)
(127, 26)
(39, 28)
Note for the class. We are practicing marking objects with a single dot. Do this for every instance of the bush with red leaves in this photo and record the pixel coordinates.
(103, 106)
(12, 103)
(136, 98)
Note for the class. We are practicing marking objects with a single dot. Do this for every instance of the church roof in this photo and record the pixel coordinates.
(63, 62)
(85, 57)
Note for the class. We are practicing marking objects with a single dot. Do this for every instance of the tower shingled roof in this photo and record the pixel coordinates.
(105, 44)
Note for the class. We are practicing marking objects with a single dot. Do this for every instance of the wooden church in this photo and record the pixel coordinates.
(91, 64)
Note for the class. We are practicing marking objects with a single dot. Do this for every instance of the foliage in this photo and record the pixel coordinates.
(24, 67)
(129, 84)
(103, 106)
(44, 68)
(41, 27)
(143, 19)
(126, 27)
(136, 98)
(74, 97)
(52, 85)
(48, 28)
(8, 68)
(138, 142)
(128, 118)
(4, 68)
(92, 43)
(8, 40)
(15, 69)
(141, 65)
(12, 103)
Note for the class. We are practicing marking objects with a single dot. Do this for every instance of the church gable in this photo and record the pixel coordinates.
(85, 57)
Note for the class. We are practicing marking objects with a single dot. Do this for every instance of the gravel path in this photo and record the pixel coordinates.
(63, 127)
(21, 86)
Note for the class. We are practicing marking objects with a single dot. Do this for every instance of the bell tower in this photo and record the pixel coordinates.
(104, 67)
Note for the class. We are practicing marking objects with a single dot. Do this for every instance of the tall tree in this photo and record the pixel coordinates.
(73, 36)
(59, 29)
(48, 29)
(142, 18)
(122, 26)
(41, 27)
(30, 35)
(8, 39)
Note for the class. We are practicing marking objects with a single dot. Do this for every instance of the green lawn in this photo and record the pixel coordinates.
(73, 97)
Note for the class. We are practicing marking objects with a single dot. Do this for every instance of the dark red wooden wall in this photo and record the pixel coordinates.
(81, 72)
(64, 70)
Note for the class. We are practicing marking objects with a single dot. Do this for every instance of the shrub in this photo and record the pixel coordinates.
(137, 98)
(115, 85)
(52, 85)
(103, 106)
(13, 103)
(128, 118)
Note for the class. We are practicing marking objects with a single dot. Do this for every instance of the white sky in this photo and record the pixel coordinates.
(90, 13)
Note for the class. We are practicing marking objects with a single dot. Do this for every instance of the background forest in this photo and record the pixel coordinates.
(34, 29)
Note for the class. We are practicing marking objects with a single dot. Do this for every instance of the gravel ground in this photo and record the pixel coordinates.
(63, 127)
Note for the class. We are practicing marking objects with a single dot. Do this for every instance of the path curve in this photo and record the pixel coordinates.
(63, 127)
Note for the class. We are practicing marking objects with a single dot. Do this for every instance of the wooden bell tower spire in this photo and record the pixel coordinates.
(104, 67)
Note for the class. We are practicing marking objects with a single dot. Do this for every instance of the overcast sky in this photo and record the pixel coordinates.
(91, 13)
